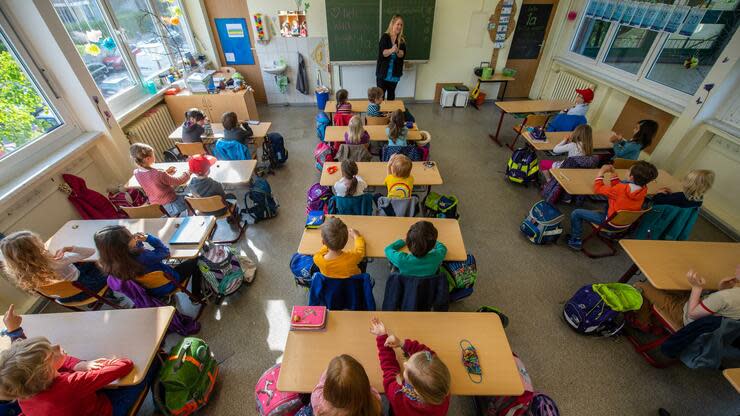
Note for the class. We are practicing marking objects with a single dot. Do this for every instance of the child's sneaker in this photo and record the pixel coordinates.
(574, 243)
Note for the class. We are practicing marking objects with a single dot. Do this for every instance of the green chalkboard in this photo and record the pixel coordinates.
(353, 28)
(418, 21)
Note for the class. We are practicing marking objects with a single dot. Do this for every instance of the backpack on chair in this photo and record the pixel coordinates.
(127, 197)
(523, 166)
(187, 378)
(317, 198)
(440, 206)
(323, 153)
(259, 203)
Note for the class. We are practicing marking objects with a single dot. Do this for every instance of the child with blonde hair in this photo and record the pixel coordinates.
(579, 143)
(356, 133)
(47, 381)
(396, 129)
(31, 266)
(158, 185)
(399, 181)
(695, 185)
(423, 387)
(344, 390)
(351, 183)
(331, 259)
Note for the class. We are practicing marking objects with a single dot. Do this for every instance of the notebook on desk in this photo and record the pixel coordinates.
(190, 230)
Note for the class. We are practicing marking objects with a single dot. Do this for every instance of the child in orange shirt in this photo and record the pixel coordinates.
(622, 195)
(330, 259)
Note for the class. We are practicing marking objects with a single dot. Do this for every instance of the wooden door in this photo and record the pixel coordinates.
(635, 110)
(217, 9)
(532, 27)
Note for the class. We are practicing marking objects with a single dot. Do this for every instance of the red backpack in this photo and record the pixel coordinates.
(511, 405)
(90, 204)
(322, 153)
(127, 197)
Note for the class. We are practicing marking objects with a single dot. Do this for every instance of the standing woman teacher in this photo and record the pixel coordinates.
(391, 50)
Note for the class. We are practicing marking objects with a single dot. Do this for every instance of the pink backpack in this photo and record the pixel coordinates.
(127, 197)
(270, 400)
(512, 405)
(322, 153)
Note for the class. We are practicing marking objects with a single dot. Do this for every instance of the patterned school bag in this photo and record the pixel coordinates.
(440, 206)
(322, 153)
(127, 197)
(509, 405)
(221, 270)
(270, 400)
(317, 198)
(543, 223)
(187, 378)
(543, 405)
(596, 309)
(522, 166)
(461, 276)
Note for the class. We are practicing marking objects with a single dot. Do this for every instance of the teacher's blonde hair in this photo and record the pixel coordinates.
(401, 38)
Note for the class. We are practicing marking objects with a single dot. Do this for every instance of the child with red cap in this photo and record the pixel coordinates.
(583, 99)
(203, 186)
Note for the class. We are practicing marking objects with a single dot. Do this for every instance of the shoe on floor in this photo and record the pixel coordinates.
(574, 243)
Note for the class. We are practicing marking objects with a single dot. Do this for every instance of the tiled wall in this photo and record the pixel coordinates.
(288, 48)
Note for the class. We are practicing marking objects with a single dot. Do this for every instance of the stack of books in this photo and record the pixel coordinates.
(308, 318)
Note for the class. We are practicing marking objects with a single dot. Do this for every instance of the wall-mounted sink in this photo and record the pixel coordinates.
(275, 68)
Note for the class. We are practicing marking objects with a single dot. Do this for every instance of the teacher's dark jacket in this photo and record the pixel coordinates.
(381, 69)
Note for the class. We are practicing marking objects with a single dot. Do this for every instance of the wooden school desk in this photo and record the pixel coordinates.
(732, 375)
(374, 173)
(380, 231)
(496, 79)
(600, 139)
(81, 232)
(259, 132)
(377, 133)
(227, 172)
(307, 353)
(665, 263)
(526, 107)
(581, 181)
(135, 334)
(360, 106)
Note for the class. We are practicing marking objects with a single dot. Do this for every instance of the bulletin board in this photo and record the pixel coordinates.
(234, 37)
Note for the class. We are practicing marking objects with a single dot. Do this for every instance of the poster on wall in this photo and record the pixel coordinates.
(662, 13)
(692, 21)
(676, 18)
(234, 39)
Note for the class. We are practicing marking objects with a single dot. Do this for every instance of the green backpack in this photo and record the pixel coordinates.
(440, 206)
(187, 378)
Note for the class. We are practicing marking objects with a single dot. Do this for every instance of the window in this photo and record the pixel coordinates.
(127, 43)
(629, 37)
(25, 113)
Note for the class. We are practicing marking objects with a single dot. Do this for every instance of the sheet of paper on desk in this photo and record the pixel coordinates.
(190, 231)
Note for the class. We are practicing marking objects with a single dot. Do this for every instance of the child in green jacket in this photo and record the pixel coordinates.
(426, 253)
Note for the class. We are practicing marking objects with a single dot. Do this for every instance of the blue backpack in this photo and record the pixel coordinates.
(587, 313)
(322, 121)
(543, 223)
(259, 201)
(522, 166)
(303, 268)
(412, 151)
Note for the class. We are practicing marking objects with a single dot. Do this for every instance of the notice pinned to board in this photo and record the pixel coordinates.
(234, 38)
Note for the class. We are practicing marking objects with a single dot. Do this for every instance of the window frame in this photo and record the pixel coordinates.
(641, 76)
(16, 163)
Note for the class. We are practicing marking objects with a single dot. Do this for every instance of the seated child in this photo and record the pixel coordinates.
(642, 136)
(583, 99)
(683, 307)
(235, 131)
(622, 195)
(31, 266)
(695, 185)
(202, 186)
(423, 386)
(399, 181)
(580, 143)
(331, 260)
(47, 381)
(158, 185)
(356, 133)
(351, 183)
(343, 105)
(396, 129)
(194, 126)
(344, 389)
(123, 256)
(426, 253)
(374, 98)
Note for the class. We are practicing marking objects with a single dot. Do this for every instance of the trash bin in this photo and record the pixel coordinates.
(322, 96)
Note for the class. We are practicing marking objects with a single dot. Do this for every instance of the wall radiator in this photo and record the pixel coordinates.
(565, 86)
(152, 128)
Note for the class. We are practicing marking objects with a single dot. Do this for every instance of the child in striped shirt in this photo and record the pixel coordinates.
(343, 106)
(374, 98)
(158, 185)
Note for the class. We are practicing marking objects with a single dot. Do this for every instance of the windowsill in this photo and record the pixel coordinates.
(17, 187)
(724, 129)
(669, 103)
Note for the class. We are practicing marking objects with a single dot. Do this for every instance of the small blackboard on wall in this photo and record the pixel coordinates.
(530, 31)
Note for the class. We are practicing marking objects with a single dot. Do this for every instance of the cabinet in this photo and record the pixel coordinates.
(214, 105)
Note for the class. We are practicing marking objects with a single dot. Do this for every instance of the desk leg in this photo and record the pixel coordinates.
(498, 129)
(628, 274)
(503, 94)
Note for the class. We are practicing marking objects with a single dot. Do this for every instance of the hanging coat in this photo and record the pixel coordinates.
(90, 205)
(301, 83)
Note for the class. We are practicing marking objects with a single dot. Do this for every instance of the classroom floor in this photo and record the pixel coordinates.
(529, 283)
